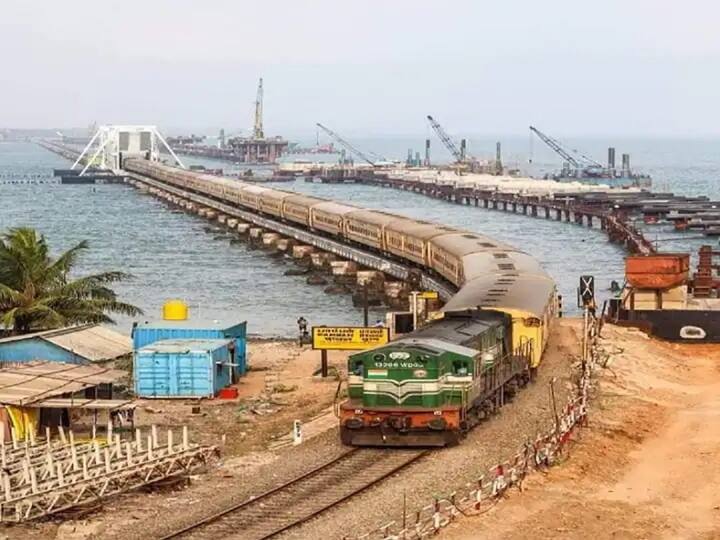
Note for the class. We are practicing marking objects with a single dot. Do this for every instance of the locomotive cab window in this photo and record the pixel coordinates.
(460, 368)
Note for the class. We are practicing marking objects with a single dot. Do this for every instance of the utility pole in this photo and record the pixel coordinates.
(365, 305)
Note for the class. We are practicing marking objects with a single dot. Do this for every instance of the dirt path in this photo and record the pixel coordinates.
(648, 466)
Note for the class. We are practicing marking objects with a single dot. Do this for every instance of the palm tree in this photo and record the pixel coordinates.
(37, 292)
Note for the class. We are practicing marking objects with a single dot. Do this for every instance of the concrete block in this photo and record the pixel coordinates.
(256, 232)
(372, 278)
(270, 239)
(243, 228)
(302, 251)
(395, 289)
(285, 244)
(321, 259)
(222, 218)
(232, 223)
(343, 268)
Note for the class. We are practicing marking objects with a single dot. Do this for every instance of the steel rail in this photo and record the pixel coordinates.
(363, 257)
(266, 512)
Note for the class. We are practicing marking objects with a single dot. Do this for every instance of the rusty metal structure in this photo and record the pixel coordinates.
(706, 280)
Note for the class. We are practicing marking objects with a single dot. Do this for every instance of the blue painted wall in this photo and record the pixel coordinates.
(37, 349)
(148, 333)
(182, 374)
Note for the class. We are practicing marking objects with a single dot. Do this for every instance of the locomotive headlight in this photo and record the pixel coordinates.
(420, 373)
(358, 411)
(437, 413)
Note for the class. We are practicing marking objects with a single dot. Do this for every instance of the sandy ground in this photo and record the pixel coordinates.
(648, 465)
(278, 389)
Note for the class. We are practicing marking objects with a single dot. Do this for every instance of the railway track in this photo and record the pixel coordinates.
(302, 498)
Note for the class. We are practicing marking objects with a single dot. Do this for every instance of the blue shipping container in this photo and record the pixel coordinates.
(149, 332)
(183, 368)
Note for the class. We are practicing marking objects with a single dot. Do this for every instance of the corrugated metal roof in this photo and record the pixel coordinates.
(80, 403)
(186, 345)
(93, 342)
(195, 324)
(36, 381)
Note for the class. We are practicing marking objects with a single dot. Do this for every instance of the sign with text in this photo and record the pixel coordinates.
(348, 338)
(429, 295)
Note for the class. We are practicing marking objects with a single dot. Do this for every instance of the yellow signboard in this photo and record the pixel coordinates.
(429, 295)
(348, 338)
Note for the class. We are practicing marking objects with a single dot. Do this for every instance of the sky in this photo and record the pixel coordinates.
(575, 68)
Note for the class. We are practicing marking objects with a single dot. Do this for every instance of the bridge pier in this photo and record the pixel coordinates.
(270, 239)
(344, 272)
(302, 252)
(322, 260)
(285, 244)
(396, 294)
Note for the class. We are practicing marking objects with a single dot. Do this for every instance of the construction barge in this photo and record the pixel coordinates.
(663, 299)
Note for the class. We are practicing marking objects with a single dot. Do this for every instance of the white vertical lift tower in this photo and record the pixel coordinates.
(112, 143)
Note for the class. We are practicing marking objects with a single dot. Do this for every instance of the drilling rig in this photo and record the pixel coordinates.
(258, 129)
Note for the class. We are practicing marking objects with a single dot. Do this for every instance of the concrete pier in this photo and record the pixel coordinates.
(372, 278)
(270, 239)
(285, 244)
(302, 251)
(322, 260)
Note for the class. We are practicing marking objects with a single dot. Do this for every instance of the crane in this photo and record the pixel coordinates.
(583, 161)
(446, 140)
(258, 129)
(346, 144)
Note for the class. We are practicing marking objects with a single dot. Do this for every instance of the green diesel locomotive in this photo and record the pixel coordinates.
(430, 387)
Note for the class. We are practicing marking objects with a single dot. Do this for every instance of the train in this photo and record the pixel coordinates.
(430, 387)
(501, 291)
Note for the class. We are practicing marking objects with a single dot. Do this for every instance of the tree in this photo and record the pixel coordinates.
(38, 293)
